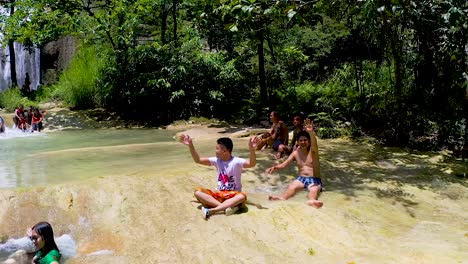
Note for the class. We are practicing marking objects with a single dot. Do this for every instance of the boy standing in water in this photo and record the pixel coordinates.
(229, 194)
(2, 125)
(307, 159)
(19, 115)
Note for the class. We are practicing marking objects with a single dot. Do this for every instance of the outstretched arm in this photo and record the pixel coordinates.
(309, 127)
(252, 147)
(313, 152)
(284, 164)
(187, 140)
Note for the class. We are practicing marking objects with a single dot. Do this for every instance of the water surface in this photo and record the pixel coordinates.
(28, 159)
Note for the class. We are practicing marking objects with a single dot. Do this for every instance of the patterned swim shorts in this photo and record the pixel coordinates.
(309, 182)
(222, 196)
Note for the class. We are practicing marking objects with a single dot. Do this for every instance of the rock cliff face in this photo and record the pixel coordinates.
(55, 57)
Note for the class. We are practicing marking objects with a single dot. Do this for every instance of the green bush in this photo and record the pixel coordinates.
(11, 98)
(43, 94)
(77, 84)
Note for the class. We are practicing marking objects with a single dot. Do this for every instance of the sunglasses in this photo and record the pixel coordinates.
(34, 238)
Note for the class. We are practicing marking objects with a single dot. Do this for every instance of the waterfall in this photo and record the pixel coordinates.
(27, 61)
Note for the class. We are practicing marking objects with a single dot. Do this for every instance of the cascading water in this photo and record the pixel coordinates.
(27, 62)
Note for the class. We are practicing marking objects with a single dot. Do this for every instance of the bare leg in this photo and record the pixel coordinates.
(292, 189)
(313, 195)
(206, 199)
(282, 149)
(262, 144)
(234, 201)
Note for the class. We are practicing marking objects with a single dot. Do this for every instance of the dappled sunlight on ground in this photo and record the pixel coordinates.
(381, 205)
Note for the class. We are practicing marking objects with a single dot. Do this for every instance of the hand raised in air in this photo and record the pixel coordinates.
(185, 139)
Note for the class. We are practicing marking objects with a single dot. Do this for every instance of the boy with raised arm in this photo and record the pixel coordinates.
(307, 159)
(229, 193)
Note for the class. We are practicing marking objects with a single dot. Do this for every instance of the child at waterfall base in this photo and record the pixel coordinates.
(19, 114)
(42, 235)
(2, 125)
(229, 195)
(36, 120)
(307, 160)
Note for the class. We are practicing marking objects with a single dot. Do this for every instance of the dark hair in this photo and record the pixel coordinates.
(44, 229)
(303, 134)
(226, 142)
(276, 114)
(301, 117)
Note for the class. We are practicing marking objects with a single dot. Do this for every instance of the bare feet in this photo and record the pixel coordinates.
(275, 198)
(315, 203)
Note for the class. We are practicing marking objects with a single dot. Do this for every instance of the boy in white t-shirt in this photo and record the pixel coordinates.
(229, 168)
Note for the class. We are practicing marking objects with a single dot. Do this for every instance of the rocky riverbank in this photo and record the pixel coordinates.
(382, 205)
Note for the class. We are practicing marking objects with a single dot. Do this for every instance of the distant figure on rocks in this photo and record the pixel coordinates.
(19, 113)
(19, 119)
(276, 136)
(2, 125)
(27, 84)
(36, 120)
(229, 195)
(298, 122)
(28, 114)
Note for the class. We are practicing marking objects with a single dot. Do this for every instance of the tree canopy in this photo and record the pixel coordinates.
(395, 69)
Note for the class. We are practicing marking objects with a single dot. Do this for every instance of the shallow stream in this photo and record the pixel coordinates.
(381, 205)
(29, 159)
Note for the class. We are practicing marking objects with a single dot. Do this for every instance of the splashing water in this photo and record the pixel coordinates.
(18, 133)
(13, 245)
(65, 243)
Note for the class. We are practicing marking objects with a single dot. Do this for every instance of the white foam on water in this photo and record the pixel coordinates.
(17, 133)
(101, 252)
(12, 245)
(65, 243)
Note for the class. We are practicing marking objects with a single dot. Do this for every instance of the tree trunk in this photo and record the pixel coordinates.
(396, 54)
(174, 17)
(261, 70)
(397, 69)
(11, 49)
(275, 61)
(164, 14)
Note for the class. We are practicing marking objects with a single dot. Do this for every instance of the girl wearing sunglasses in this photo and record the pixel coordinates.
(42, 236)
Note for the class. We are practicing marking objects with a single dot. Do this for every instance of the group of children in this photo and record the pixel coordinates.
(30, 119)
(278, 135)
(229, 196)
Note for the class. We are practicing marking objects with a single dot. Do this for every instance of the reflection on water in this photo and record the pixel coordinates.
(28, 159)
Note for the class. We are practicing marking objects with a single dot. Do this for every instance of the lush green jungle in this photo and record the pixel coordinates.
(393, 69)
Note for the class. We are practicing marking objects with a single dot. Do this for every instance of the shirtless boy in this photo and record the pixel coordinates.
(277, 135)
(307, 159)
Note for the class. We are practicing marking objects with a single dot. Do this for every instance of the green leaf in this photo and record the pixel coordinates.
(291, 14)
(233, 28)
